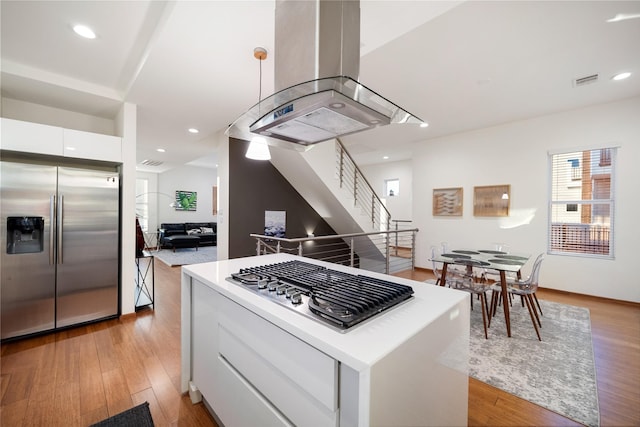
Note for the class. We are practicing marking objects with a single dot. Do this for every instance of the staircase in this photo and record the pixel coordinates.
(334, 186)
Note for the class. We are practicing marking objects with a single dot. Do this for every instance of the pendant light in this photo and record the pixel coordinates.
(258, 147)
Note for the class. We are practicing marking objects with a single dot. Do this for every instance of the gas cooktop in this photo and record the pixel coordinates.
(339, 299)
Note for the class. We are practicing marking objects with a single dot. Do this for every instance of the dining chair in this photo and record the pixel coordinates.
(444, 246)
(526, 288)
(469, 283)
(511, 278)
(452, 273)
(492, 274)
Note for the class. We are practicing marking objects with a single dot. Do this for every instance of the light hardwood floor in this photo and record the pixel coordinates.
(83, 375)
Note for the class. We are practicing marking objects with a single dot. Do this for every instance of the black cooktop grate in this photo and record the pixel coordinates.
(341, 298)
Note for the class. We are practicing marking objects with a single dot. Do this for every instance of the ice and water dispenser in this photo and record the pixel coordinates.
(25, 234)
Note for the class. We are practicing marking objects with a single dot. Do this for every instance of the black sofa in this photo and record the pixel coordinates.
(205, 231)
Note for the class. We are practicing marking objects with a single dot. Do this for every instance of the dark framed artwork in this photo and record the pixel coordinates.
(186, 200)
(491, 200)
(447, 201)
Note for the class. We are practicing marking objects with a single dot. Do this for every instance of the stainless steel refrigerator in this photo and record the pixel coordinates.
(60, 236)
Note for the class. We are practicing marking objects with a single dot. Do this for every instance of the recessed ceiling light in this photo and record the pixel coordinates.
(424, 124)
(621, 76)
(160, 150)
(386, 157)
(84, 31)
(193, 130)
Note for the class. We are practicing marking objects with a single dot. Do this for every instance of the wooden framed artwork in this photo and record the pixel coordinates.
(447, 201)
(491, 200)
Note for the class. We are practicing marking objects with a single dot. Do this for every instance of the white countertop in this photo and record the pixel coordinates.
(360, 346)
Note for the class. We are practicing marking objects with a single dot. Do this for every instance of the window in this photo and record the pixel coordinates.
(391, 187)
(142, 203)
(582, 203)
(576, 171)
(605, 157)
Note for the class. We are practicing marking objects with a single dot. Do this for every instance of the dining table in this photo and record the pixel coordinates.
(501, 261)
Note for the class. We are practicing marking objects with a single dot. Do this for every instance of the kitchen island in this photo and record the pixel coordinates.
(255, 362)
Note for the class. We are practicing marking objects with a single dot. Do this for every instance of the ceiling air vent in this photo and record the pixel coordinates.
(151, 162)
(585, 80)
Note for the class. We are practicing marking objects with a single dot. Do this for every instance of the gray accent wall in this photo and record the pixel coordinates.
(255, 187)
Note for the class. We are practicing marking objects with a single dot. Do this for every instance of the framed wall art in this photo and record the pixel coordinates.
(491, 200)
(447, 201)
(186, 200)
(275, 223)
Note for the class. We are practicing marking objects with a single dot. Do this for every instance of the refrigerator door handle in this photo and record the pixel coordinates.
(52, 227)
(60, 231)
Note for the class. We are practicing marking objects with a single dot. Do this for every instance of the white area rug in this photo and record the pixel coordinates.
(557, 373)
(186, 256)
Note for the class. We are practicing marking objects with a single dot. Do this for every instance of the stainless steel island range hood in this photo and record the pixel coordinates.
(317, 61)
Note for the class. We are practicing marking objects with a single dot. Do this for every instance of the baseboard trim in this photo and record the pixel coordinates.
(128, 316)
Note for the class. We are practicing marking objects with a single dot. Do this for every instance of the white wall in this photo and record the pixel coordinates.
(517, 154)
(153, 198)
(400, 206)
(222, 151)
(187, 178)
(126, 123)
(36, 113)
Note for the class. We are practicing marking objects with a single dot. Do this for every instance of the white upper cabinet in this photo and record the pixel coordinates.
(31, 137)
(52, 140)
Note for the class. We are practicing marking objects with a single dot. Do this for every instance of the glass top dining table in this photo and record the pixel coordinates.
(501, 261)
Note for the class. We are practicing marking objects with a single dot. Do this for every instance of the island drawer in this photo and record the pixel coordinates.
(279, 365)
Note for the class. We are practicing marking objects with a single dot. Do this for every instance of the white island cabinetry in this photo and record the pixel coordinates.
(257, 363)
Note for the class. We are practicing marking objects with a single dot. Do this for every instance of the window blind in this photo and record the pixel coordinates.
(581, 203)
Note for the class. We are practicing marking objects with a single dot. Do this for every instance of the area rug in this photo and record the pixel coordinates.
(138, 416)
(557, 373)
(186, 256)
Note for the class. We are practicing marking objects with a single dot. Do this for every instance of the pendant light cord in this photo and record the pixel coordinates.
(260, 87)
(260, 54)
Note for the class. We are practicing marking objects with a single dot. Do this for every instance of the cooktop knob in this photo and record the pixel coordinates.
(272, 285)
(281, 289)
(296, 298)
(262, 283)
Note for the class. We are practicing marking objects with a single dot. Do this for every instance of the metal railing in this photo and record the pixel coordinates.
(383, 252)
(352, 180)
(398, 225)
(580, 238)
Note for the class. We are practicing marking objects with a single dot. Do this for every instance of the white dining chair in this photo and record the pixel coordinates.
(526, 288)
(470, 284)
(459, 278)
(452, 273)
